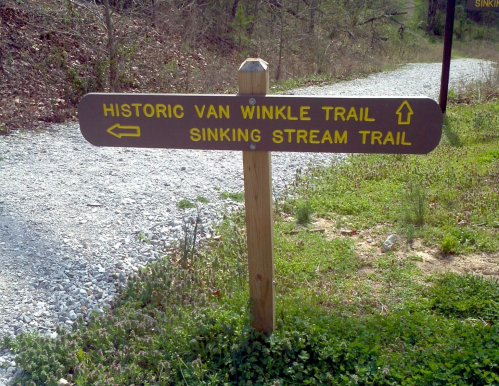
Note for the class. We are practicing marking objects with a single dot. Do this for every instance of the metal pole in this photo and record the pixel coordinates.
(449, 31)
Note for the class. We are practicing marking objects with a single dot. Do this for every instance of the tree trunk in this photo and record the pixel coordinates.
(313, 6)
(153, 13)
(281, 45)
(111, 46)
(432, 15)
(255, 15)
(234, 9)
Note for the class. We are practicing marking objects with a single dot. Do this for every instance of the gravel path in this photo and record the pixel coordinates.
(417, 79)
(73, 217)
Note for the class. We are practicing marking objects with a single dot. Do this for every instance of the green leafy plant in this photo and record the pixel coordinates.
(186, 204)
(484, 121)
(303, 212)
(143, 238)
(465, 296)
(409, 232)
(239, 196)
(240, 27)
(188, 244)
(202, 200)
(415, 204)
(449, 244)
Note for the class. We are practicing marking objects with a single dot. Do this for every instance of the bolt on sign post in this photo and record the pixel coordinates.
(257, 124)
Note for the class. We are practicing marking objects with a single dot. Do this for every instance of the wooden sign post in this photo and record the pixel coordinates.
(254, 80)
(257, 124)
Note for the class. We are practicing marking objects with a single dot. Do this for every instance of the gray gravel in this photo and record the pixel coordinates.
(74, 218)
(417, 79)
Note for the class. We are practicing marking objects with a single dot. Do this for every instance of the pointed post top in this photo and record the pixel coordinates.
(253, 77)
(254, 64)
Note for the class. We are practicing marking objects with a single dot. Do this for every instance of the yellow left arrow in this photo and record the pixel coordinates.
(124, 131)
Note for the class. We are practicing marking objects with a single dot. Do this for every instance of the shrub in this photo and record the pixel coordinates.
(303, 212)
(449, 244)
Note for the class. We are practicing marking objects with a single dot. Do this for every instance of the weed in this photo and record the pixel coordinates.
(303, 212)
(238, 197)
(409, 232)
(464, 236)
(488, 157)
(415, 205)
(186, 204)
(188, 244)
(202, 200)
(449, 244)
(143, 238)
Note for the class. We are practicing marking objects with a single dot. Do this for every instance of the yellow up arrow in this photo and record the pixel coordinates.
(405, 108)
(129, 131)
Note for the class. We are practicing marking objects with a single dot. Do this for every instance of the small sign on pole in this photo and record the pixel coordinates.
(483, 5)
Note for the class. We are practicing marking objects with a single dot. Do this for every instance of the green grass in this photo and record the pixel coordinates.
(186, 204)
(234, 196)
(202, 200)
(453, 188)
(345, 315)
(466, 296)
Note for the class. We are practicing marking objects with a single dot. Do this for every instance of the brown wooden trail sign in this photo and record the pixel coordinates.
(258, 124)
(267, 123)
(483, 5)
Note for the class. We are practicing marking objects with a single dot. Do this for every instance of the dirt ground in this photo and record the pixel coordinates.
(429, 259)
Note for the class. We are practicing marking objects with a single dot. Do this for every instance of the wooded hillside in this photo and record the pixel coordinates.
(52, 52)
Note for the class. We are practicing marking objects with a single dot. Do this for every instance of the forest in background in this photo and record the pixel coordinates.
(52, 52)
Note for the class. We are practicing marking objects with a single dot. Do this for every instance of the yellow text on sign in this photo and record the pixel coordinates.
(212, 112)
(378, 138)
(360, 114)
(276, 113)
(207, 134)
(227, 135)
(486, 3)
(148, 110)
(308, 136)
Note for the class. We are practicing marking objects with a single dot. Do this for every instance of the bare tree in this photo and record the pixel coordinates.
(431, 15)
(111, 46)
(313, 6)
